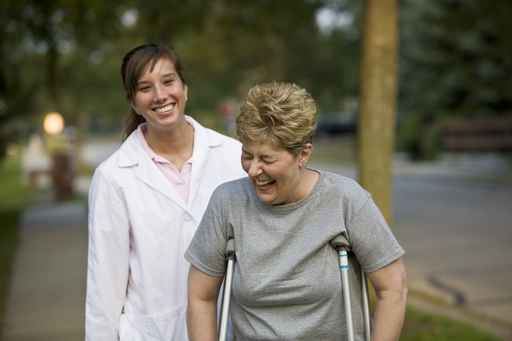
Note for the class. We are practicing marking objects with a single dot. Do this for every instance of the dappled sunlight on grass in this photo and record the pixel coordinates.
(14, 196)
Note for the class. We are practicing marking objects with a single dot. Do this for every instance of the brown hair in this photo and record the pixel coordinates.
(282, 113)
(134, 64)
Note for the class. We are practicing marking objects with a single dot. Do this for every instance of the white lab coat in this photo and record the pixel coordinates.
(139, 229)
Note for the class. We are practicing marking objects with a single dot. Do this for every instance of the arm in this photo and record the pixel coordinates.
(391, 289)
(202, 305)
(107, 267)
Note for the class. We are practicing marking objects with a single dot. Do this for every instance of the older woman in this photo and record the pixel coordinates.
(286, 284)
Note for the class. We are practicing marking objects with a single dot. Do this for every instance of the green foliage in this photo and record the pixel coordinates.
(8, 243)
(419, 136)
(454, 57)
(420, 326)
(13, 198)
(65, 55)
(14, 194)
(453, 62)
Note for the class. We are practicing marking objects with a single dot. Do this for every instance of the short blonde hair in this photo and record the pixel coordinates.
(281, 113)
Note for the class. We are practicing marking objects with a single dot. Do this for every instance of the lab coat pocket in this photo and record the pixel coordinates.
(172, 325)
(128, 332)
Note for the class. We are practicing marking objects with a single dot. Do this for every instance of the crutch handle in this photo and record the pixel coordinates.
(342, 246)
(230, 248)
(340, 242)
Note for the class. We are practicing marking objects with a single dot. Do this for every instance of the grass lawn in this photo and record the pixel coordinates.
(421, 326)
(14, 196)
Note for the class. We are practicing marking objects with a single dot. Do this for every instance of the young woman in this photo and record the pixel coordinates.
(145, 203)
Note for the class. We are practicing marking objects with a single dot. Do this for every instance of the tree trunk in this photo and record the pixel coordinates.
(378, 101)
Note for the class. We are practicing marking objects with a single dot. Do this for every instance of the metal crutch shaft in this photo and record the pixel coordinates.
(226, 298)
(343, 262)
(340, 244)
(366, 307)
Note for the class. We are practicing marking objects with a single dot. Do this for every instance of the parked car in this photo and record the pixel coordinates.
(336, 124)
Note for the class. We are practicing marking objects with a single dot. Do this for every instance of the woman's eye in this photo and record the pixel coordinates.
(169, 82)
(144, 89)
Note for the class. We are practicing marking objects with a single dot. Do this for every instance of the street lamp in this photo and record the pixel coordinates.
(53, 123)
(62, 171)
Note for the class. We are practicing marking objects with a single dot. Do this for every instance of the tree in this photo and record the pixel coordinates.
(17, 87)
(64, 55)
(40, 41)
(463, 48)
(455, 61)
(378, 101)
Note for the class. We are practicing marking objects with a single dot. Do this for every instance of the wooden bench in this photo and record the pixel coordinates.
(482, 134)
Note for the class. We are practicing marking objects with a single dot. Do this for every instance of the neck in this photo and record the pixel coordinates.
(308, 180)
(176, 143)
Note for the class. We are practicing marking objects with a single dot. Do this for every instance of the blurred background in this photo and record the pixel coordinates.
(62, 109)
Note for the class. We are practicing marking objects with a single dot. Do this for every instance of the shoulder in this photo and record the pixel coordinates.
(223, 141)
(106, 176)
(213, 138)
(238, 189)
(231, 195)
(108, 167)
(225, 153)
(343, 192)
(231, 198)
(114, 167)
(343, 185)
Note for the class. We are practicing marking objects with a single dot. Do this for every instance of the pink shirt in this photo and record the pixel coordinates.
(179, 180)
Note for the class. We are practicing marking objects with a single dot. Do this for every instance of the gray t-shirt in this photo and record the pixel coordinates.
(286, 281)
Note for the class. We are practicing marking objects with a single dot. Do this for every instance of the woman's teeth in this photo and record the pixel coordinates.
(165, 109)
(263, 183)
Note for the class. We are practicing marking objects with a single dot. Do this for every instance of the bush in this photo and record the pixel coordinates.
(13, 198)
(419, 136)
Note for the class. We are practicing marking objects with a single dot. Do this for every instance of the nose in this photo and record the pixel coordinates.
(160, 93)
(254, 169)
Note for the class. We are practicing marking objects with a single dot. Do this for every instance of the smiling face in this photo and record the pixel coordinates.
(160, 96)
(277, 174)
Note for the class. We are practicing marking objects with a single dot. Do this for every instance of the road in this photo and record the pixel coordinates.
(458, 233)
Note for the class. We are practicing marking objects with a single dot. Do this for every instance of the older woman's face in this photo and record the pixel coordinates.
(275, 172)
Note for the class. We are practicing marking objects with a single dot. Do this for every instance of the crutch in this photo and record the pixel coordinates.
(226, 295)
(342, 246)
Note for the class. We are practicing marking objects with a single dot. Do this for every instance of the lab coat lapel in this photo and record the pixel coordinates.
(133, 155)
(154, 178)
(202, 143)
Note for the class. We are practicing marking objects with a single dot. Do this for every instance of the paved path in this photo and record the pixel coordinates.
(48, 284)
(453, 221)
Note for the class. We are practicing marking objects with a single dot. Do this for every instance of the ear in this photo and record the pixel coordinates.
(305, 154)
(185, 91)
